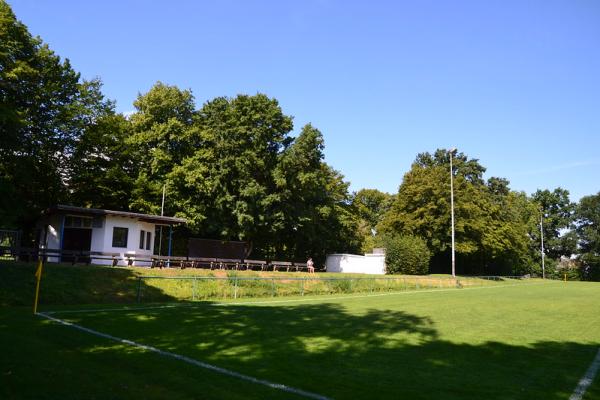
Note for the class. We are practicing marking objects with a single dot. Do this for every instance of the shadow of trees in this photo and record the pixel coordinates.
(64, 284)
(327, 349)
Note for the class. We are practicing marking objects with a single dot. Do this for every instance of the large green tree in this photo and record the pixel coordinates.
(164, 133)
(44, 110)
(557, 212)
(225, 187)
(491, 227)
(587, 216)
(105, 166)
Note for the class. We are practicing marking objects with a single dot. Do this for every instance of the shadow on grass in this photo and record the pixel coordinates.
(64, 284)
(373, 354)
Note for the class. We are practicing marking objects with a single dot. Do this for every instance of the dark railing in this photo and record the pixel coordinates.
(126, 259)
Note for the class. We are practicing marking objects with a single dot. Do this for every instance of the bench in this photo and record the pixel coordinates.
(202, 262)
(281, 264)
(225, 263)
(300, 266)
(251, 264)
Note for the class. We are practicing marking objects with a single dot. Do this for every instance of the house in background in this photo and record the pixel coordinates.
(68, 228)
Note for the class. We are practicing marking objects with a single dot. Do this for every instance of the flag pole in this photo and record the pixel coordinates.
(38, 276)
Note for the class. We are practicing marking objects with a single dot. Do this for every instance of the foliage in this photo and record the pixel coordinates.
(163, 135)
(557, 211)
(44, 110)
(491, 222)
(370, 205)
(588, 224)
(406, 255)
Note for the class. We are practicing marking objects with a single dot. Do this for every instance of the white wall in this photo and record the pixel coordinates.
(102, 237)
(354, 263)
(104, 240)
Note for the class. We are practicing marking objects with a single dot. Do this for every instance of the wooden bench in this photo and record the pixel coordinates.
(104, 256)
(251, 264)
(202, 262)
(281, 264)
(226, 263)
(300, 266)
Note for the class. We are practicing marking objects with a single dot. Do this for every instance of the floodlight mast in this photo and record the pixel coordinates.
(542, 242)
(452, 151)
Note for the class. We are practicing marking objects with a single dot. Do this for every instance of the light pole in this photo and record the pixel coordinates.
(452, 151)
(542, 248)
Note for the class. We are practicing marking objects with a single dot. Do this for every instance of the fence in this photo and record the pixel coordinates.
(196, 288)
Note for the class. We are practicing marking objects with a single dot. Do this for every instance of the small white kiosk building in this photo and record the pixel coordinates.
(373, 263)
(68, 228)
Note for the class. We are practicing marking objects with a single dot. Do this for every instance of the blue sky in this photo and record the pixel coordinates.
(515, 84)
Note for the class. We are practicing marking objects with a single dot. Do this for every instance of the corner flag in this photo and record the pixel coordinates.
(38, 276)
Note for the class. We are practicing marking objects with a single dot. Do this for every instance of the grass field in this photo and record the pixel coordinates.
(527, 341)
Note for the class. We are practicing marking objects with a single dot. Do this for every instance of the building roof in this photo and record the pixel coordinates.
(157, 219)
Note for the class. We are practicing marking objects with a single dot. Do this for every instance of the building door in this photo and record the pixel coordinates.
(76, 239)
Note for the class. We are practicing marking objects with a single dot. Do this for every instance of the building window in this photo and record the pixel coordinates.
(120, 237)
(148, 239)
(142, 237)
(72, 221)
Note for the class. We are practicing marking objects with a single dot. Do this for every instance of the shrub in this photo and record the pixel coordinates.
(406, 255)
(591, 267)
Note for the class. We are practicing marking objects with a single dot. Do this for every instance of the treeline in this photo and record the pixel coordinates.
(233, 169)
(497, 229)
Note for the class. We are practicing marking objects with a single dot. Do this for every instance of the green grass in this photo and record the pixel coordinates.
(512, 342)
(80, 284)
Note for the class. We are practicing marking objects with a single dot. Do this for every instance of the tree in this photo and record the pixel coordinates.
(491, 228)
(557, 211)
(44, 108)
(225, 187)
(587, 216)
(164, 133)
(370, 206)
(105, 166)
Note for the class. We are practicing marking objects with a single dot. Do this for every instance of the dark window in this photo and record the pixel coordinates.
(148, 238)
(142, 237)
(120, 237)
(68, 221)
(97, 222)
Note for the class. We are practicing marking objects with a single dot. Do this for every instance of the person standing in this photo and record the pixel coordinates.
(310, 265)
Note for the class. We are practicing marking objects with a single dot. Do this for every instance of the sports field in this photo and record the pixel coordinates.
(532, 340)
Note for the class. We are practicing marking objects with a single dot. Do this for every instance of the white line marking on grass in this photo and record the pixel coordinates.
(305, 299)
(189, 360)
(587, 379)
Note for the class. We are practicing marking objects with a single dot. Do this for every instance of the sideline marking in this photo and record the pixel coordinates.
(306, 299)
(587, 379)
(189, 360)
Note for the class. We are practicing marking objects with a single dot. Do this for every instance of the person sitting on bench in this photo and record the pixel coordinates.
(310, 265)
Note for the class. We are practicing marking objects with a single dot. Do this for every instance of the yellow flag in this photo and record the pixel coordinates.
(38, 271)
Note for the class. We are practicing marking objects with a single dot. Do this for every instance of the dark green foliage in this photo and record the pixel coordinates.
(590, 269)
(407, 255)
(491, 222)
(44, 110)
(588, 224)
(557, 211)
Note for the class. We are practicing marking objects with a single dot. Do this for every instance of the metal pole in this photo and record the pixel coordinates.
(452, 212)
(542, 248)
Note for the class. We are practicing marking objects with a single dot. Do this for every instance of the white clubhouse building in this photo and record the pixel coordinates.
(79, 229)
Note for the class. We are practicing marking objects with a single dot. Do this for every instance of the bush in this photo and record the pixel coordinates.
(406, 255)
(590, 270)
